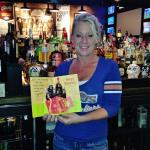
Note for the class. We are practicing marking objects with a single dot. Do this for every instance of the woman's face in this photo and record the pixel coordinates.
(84, 38)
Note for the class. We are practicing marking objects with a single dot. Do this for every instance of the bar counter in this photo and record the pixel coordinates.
(15, 106)
(15, 100)
(136, 92)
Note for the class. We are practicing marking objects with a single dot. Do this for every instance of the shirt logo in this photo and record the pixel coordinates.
(88, 108)
(85, 98)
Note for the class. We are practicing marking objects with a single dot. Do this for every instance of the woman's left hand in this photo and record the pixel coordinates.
(71, 118)
(74, 118)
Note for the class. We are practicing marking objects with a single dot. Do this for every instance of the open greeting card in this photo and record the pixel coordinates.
(55, 95)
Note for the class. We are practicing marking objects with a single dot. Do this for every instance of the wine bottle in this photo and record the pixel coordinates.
(31, 51)
(119, 33)
(0, 65)
(10, 44)
(3, 68)
(43, 51)
(115, 145)
(39, 47)
(122, 68)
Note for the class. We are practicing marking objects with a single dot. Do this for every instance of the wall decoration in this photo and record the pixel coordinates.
(34, 19)
(6, 11)
(63, 20)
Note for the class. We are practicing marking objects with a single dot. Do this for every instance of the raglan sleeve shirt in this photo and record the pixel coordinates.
(112, 89)
(112, 85)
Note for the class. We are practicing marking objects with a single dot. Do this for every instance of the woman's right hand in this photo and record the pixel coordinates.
(50, 118)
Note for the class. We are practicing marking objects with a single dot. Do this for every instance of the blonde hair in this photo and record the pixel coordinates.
(95, 24)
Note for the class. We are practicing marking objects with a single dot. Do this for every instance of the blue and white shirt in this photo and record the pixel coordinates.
(104, 90)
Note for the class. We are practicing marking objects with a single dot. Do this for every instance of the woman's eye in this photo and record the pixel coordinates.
(78, 35)
(90, 35)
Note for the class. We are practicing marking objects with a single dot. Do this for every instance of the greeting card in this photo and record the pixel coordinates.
(55, 95)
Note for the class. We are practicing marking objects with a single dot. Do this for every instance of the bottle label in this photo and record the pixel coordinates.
(142, 117)
(109, 55)
(122, 71)
(44, 57)
(140, 57)
(50, 74)
(7, 47)
(120, 52)
(44, 49)
(2, 89)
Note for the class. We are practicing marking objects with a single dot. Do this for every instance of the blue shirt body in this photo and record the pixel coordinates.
(101, 90)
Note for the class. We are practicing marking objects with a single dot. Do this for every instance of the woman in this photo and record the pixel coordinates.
(100, 90)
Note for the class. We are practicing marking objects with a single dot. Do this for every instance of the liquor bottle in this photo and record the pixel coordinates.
(115, 146)
(121, 118)
(1, 59)
(119, 36)
(40, 40)
(34, 69)
(122, 67)
(126, 35)
(3, 129)
(3, 71)
(140, 57)
(44, 52)
(121, 51)
(69, 52)
(104, 37)
(119, 33)
(31, 50)
(145, 70)
(0, 65)
(64, 35)
(133, 70)
(39, 47)
(10, 44)
(109, 53)
(142, 113)
(11, 124)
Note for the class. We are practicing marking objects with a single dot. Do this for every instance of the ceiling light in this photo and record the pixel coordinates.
(24, 7)
(54, 9)
(48, 11)
(82, 10)
(120, 7)
(6, 18)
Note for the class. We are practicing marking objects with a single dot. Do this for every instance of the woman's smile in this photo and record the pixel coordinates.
(84, 47)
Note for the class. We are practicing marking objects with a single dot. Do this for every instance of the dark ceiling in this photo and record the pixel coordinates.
(128, 4)
(131, 3)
